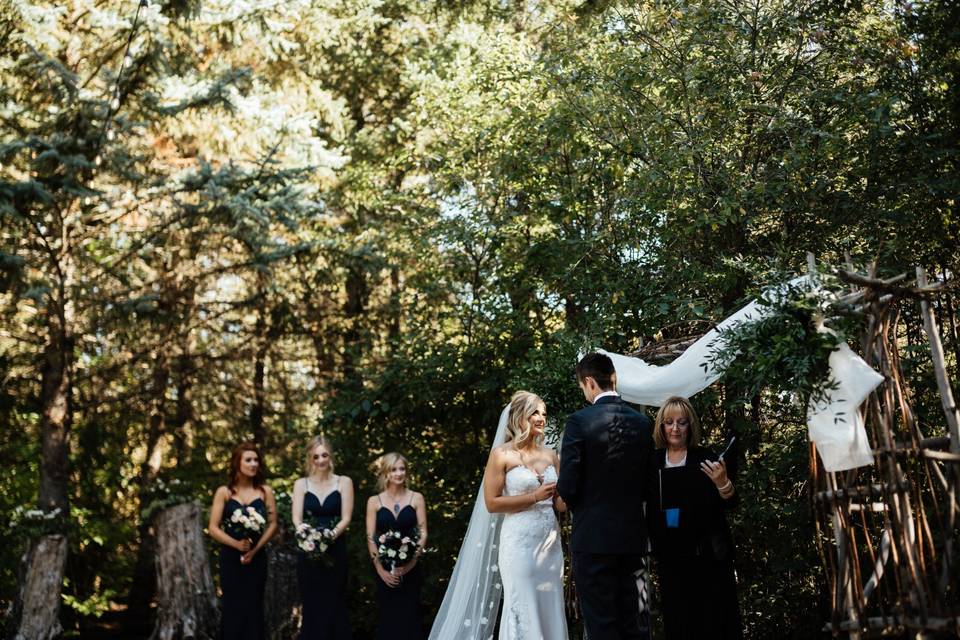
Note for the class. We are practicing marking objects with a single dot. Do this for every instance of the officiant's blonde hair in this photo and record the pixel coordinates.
(522, 406)
(677, 404)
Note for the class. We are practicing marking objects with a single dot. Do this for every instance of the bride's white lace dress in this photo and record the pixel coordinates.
(531, 565)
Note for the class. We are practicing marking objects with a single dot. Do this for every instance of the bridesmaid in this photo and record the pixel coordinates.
(243, 569)
(397, 508)
(325, 499)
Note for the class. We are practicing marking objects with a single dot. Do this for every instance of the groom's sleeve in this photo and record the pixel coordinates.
(570, 454)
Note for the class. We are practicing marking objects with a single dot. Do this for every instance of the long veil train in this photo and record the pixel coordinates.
(470, 605)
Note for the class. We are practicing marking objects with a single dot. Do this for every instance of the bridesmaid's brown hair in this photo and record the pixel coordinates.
(258, 480)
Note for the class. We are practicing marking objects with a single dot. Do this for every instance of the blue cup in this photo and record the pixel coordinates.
(673, 518)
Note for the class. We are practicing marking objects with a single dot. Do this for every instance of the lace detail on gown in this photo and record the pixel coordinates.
(531, 565)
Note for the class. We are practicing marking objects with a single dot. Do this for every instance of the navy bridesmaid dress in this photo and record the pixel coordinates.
(241, 613)
(400, 615)
(323, 586)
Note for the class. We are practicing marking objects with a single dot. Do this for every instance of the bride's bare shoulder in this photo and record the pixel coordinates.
(505, 449)
(500, 454)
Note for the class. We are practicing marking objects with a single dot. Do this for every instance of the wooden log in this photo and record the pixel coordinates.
(875, 490)
(946, 456)
(186, 601)
(893, 623)
(888, 287)
(38, 609)
(282, 594)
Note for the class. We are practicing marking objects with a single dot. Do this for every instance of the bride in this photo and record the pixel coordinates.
(520, 483)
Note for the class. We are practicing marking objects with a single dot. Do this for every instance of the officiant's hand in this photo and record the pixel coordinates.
(717, 472)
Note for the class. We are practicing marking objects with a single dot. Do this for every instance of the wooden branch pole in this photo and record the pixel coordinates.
(939, 368)
(891, 499)
(953, 421)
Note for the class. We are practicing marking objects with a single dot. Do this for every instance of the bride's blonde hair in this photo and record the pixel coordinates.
(522, 406)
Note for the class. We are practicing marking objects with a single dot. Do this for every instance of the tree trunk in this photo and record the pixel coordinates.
(144, 586)
(355, 308)
(183, 413)
(186, 601)
(257, 411)
(56, 416)
(38, 614)
(40, 596)
(396, 309)
(282, 597)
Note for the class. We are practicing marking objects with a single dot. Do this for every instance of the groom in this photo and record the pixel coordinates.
(605, 464)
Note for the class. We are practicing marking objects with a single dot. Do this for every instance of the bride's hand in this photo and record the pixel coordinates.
(545, 491)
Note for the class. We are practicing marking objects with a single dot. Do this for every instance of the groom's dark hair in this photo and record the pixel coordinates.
(598, 366)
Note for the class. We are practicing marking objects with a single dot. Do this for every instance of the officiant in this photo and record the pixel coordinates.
(692, 545)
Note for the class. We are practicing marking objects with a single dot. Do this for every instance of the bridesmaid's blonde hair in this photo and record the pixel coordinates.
(522, 406)
(384, 465)
(312, 444)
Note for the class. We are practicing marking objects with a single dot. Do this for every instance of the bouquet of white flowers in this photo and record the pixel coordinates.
(395, 549)
(314, 540)
(246, 523)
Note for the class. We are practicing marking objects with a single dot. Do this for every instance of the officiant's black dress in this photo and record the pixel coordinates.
(399, 608)
(323, 586)
(698, 588)
(241, 610)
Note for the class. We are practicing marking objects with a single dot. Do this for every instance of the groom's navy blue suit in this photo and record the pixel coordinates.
(606, 462)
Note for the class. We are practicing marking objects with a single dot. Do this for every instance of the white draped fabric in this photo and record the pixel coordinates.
(835, 426)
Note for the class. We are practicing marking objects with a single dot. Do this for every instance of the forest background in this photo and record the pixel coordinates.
(254, 219)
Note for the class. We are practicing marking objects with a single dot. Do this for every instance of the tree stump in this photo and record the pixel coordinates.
(186, 601)
(38, 609)
(282, 596)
